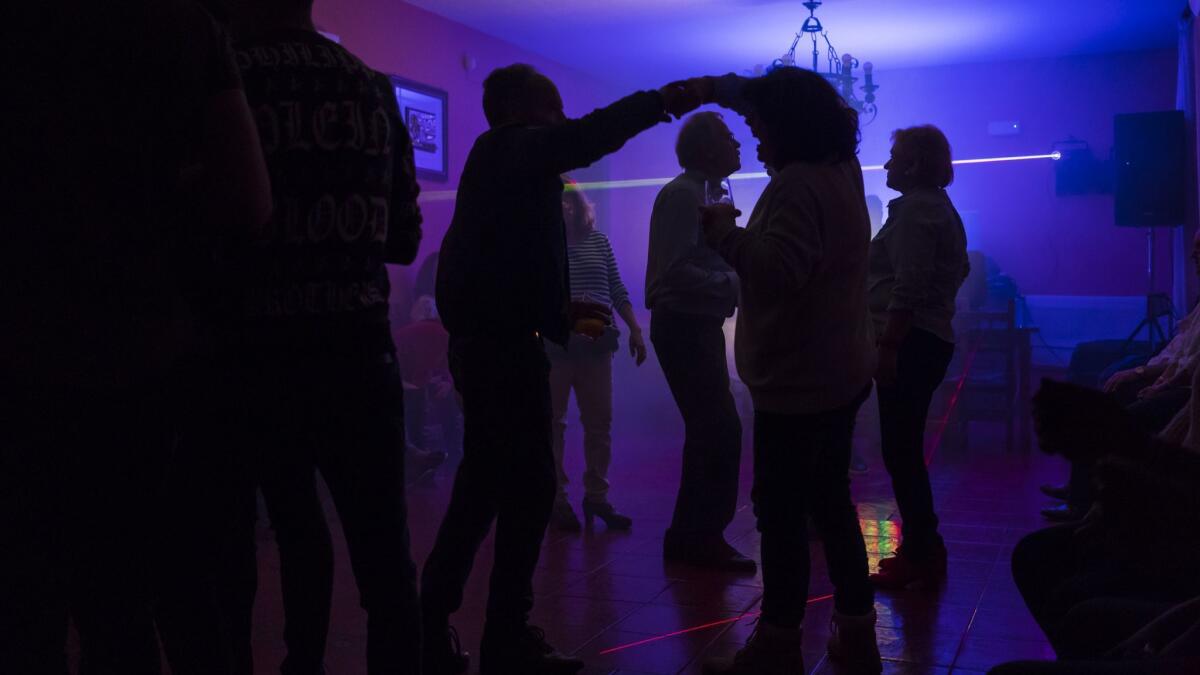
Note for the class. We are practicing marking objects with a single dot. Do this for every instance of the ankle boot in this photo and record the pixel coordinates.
(605, 511)
(852, 644)
(771, 650)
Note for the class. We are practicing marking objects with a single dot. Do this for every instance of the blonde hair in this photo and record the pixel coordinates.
(583, 206)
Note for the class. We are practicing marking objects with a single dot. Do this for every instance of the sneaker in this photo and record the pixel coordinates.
(711, 552)
(441, 652)
(904, 569)
(522, 649)
(852, 644)
(770, 650)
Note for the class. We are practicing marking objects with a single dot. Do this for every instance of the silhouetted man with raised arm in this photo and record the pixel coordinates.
(502, 289)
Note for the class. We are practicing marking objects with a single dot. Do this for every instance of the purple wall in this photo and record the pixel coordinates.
(398, 38)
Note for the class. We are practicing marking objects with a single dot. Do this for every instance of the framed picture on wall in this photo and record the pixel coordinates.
(424, 110)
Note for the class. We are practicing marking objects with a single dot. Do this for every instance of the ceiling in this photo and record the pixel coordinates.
(648, 42)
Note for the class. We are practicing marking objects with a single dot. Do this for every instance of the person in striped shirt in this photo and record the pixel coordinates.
(585, 364)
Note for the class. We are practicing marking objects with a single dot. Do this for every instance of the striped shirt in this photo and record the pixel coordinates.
(593, 271)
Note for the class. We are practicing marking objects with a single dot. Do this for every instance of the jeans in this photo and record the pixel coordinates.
(691, 351)
(903, 409)
(81, 478)
(801, 469)
(591, 378)
(344, 419)
(506, 476)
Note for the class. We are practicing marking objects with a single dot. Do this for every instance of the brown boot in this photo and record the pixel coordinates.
(852, 644)
(769, 651)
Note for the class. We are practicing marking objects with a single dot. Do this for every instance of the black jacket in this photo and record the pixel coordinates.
(503, 265)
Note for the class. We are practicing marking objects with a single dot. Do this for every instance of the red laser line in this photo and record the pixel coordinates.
(962, 380)
(693, 629)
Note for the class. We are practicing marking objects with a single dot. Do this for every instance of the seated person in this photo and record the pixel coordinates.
(1153, 394)
(421, 349)
(1128, 548)
(1167, 645)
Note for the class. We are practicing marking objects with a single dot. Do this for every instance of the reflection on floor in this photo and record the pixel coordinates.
(609, 598)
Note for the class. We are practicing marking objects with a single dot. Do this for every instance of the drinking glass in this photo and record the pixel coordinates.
(718, 192)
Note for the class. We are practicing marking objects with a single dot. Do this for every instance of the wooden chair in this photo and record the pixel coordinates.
(994, 355)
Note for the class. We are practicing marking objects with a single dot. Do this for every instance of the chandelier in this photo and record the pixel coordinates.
(839, 69)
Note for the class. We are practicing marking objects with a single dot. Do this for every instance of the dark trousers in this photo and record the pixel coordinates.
(691, 351)
(81, 475)
(801, 469)
(506, 476)
(345, 420)
(903, 409)
(1060, 581)
(205, 472)
(422, 406)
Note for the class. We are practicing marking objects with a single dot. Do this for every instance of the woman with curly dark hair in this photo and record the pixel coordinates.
(805, 349)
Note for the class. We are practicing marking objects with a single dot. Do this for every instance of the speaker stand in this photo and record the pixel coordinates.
(1158, 306)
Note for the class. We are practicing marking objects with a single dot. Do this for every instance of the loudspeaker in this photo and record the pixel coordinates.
(1150, 151)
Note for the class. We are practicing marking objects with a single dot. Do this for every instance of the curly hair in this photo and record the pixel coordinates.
(805, 116)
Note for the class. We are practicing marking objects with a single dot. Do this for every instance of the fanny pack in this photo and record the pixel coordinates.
(606, 344)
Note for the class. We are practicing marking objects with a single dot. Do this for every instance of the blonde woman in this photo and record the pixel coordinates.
(585, 365)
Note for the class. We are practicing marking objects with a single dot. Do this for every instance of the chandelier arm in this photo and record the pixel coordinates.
(840, 70)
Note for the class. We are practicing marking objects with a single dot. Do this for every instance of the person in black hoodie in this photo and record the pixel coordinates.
(502, 290)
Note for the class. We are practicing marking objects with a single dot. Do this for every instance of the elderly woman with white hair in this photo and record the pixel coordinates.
(585, 365)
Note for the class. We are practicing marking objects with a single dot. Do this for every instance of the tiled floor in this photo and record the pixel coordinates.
(609, 598)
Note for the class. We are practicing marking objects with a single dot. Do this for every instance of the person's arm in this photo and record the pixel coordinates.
(232, 184)
(781, 256)
(637, 341)
(912, 248)
(616, 288)
(234, 188)
(228, 185)
(726, 91)
(620, 300)
(577, 143)
(1139, 376)
(1161, 635)
(404, 214)
(676, 232)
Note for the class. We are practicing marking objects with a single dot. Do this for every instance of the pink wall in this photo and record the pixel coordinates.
(1048, 244)
(395, 37)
